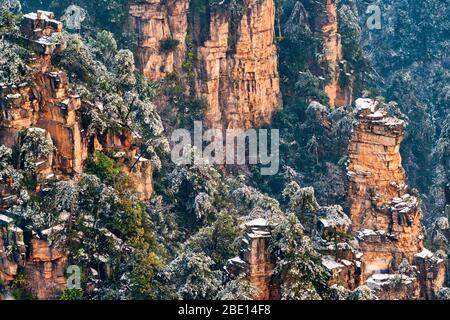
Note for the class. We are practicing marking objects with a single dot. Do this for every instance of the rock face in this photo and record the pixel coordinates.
(254, 259)
(161, 27)
(12, 249)
(238, 69)
(48, 103)
(432, 273)
(48, 107)
(394, 286)
(44, 267)
(386, 220)
(341, 255)
(45, 270)
(325, 25)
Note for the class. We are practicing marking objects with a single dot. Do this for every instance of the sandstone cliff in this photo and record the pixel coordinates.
(384, 216)
(48, 107)
(236, 69)
(161, 27)
(326, 27)
(255, 259)
(47, 102)
(386, 219)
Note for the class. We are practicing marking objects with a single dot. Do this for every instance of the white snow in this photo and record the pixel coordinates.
(5, 219)
(331, 264)
(378, 280)
(425, 254)
(362, 104)
(257, 223)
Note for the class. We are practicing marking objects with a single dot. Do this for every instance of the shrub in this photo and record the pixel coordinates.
(102, 166)
(168, 45)
(72, 294)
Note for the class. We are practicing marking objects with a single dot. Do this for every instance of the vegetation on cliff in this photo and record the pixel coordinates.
(176, 244)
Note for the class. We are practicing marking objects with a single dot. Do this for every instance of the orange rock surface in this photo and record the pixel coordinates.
(156, 21)
(385, 218)
(238, 73)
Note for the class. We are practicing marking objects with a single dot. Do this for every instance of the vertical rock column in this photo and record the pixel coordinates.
(254, 259)
(157, 23)
(258, 257)
(385, 218)
(326, 26)
(238, 71)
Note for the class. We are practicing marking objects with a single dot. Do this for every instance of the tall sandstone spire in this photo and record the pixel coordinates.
(236, 69)
(326, 26)
(384, 216)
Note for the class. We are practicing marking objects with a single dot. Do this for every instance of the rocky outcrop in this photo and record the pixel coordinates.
(432, 273)
(394, 286)
(325, 26)
(386, 219)
(12, 249)
(161, 27)
(341, 254)
(254, 259)
(45, 269)
(44, 266)
(238, 69)
(47, 106)
(48, 103)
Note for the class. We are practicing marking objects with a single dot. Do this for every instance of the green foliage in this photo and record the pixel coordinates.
(218, 241)
(189, 277)
(443, 294)
(9, 18)
(362, 293)
(19, 287)
(201, 7)
(102, 166)
(299, 267)
(101, 14)
(188, 107)
(2, 287)
(168, 45)
(71, 294)
(350, 30)
(13, 63)
(105, 46)
(238, 289)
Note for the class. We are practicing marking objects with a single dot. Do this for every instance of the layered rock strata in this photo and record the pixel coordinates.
(234, 55)
(238, 68)
(386, 219)
(46, 106)
(254, 259)
(48, 103)
(45, 270)
(161, 28)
